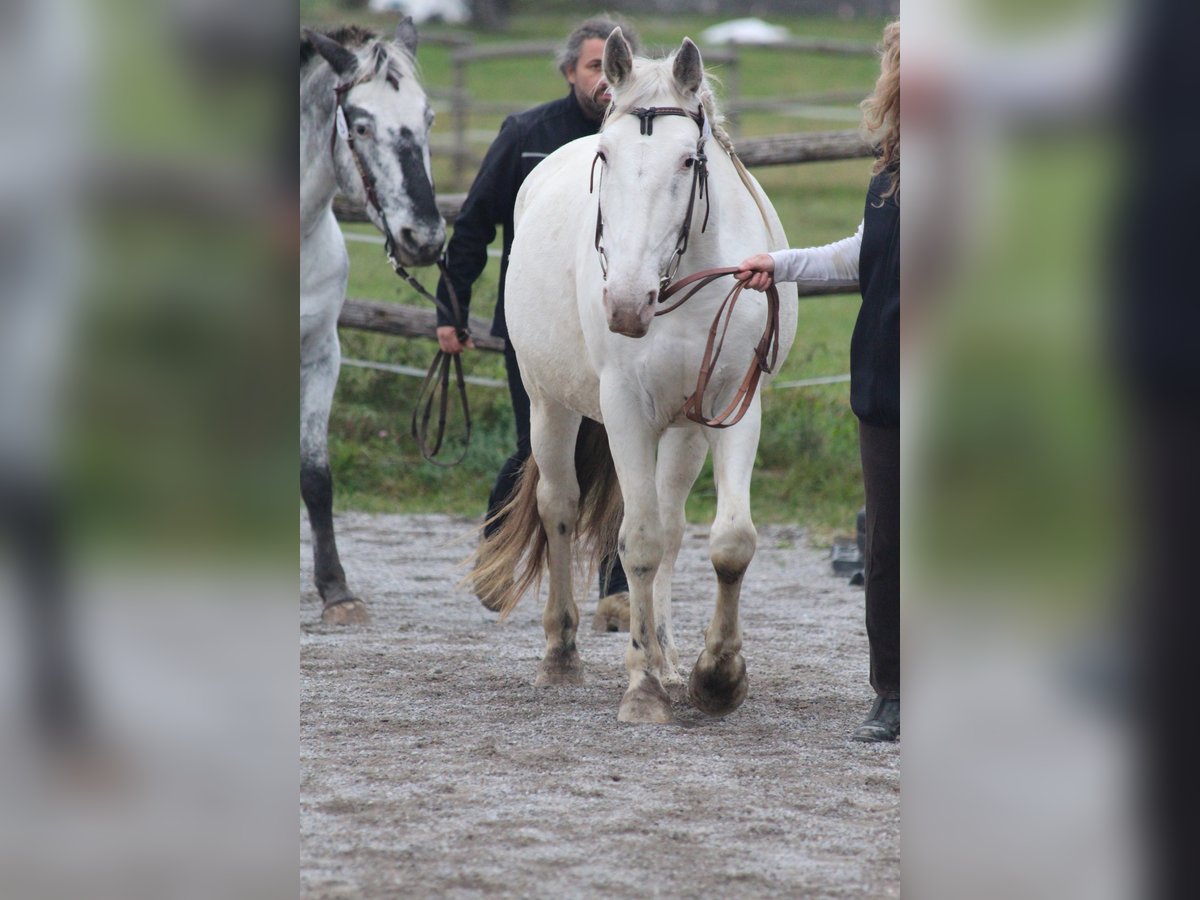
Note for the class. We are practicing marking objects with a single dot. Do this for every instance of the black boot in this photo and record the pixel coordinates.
(883, 723)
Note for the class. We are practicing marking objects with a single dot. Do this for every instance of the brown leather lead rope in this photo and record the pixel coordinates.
(766, 352)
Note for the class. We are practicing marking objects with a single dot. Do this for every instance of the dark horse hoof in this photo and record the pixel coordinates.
(718, 684)
(561, 667)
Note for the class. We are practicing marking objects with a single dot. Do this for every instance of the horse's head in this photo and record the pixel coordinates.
(651, 153)
(387, 118)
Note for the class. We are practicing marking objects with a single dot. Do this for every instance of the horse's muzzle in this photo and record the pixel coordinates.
(630, 319)
(420, 246)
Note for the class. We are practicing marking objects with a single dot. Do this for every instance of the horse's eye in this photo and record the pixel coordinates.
(362, 129)
(687, 163)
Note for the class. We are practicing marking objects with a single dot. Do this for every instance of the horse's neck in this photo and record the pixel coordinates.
(734, 221)
(318, 178)
(739, 220)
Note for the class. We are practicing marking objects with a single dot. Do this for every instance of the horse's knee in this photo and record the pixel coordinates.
(558, 507)
(316, 484)
(641, 549)
(731, 547)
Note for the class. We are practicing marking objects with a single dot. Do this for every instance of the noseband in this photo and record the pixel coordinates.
(699, 166)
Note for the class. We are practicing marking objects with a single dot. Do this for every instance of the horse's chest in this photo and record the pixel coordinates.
(659, 384)
(324, 269)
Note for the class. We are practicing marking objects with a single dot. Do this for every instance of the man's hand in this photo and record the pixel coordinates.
(757, 271)
(448, 340)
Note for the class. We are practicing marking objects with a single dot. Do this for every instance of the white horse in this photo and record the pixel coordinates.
(583, 279)
(364, 131)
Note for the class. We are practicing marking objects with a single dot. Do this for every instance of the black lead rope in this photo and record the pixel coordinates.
(435, 389)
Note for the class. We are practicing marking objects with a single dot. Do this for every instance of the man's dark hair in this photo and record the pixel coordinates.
(600, 27)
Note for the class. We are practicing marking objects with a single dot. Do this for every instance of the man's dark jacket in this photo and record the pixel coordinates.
(524, 141)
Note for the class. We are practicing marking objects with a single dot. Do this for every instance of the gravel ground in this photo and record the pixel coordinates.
(431, 766)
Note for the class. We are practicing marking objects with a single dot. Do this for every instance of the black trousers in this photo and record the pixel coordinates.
(880, 450)
(612, 576)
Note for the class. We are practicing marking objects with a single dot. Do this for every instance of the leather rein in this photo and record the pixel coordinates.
(435, 389)
(766, 352)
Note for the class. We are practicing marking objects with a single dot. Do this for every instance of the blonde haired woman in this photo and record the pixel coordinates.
(870, 257)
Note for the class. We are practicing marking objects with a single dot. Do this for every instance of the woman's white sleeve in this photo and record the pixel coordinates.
(830, 264)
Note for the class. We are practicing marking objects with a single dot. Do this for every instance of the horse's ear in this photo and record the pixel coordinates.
(618, 58)
(406, 36)
(689, 68)
(341, 60)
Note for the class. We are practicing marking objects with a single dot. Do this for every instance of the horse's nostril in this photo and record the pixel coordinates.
(651, 296)
(408, 236)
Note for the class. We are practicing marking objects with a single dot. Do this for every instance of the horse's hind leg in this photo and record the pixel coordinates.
(718, 684)
(319, 364)
(681, 454)
(553, 430)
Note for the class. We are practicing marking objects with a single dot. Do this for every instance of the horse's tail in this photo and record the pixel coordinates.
(513, 558)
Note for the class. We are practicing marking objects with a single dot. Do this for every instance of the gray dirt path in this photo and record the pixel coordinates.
(431, 766)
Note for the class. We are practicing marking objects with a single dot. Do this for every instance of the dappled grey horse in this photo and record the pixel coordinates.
(364, 132)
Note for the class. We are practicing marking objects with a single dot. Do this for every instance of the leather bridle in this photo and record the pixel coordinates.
(766, 352)
(698, 162)
(435, 389)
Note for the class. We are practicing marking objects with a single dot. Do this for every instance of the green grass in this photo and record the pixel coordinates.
(807, 469)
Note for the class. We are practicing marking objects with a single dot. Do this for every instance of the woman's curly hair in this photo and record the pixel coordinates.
(881, 110)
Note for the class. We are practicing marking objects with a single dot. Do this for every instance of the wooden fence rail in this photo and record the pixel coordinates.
(728, 58)
(409, 321)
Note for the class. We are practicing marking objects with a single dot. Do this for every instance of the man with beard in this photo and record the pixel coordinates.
(525, 140)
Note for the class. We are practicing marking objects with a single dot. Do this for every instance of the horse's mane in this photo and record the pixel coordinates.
(652, 78)
(355, 38)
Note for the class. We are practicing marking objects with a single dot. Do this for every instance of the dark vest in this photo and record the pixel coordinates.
(875, 345)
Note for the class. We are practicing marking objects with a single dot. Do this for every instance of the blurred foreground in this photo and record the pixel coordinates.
(148, 709)
(1050, 375)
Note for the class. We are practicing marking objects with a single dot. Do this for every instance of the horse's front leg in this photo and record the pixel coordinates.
(681, 454)
(718, 684)
(320, 360)
(553, 431)
(632, 441)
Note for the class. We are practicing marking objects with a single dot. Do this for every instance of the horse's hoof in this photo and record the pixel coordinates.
(345, 612)
(646, 704)
(718, 684)
(612, 613)
(671, 676)
(560, 667)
